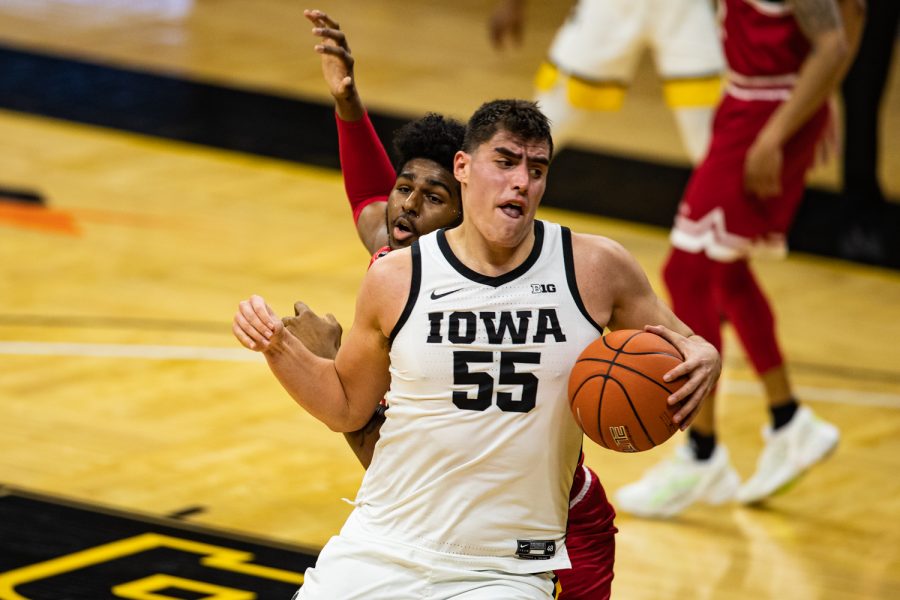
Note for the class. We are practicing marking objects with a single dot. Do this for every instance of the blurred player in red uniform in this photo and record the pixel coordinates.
(784, 59)
(391, 210)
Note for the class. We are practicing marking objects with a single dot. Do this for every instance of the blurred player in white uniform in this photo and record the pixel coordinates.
(596, 51)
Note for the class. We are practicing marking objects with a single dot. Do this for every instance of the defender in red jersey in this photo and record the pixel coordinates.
(784, 59)
(391, 211)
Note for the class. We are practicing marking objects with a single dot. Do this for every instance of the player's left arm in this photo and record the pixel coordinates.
(833, 28)
(368, 174)
(632, 304)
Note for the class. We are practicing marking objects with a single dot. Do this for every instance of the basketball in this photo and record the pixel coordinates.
(617, 392)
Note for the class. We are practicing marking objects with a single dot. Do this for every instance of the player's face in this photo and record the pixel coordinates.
(504, 179)
(425, 197)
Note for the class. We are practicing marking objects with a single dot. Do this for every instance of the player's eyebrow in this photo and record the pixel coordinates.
(438, 182)
(432, 182)
(504, 151)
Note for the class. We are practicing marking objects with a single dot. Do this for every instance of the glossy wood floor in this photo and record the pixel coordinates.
(120, 382)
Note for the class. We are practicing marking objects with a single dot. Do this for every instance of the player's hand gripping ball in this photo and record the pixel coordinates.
(617, 392)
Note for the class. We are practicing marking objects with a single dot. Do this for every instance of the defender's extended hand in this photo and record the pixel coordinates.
(321, 335)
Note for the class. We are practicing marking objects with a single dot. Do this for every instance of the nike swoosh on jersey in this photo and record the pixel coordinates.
(436, 296)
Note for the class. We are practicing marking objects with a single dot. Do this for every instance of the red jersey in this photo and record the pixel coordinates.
(764, 47)
(378, 254)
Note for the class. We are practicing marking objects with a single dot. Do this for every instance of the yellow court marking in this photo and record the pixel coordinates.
(217, 557)
(144, 589)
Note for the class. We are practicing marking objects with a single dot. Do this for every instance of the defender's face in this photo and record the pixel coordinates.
(425, 197)
(504, 180)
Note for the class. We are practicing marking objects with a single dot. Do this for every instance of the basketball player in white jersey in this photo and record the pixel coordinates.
(478, 328)
(596, 51)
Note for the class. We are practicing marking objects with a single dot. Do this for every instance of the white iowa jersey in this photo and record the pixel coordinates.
(479, 448)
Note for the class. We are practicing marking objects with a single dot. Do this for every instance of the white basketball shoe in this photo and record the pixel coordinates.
(677, 482)
(789, 452)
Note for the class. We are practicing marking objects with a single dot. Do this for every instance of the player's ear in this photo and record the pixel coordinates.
(461, 166)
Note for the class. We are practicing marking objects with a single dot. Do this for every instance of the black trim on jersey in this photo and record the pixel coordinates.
(487, 279)
(414, 286)
(569, 260)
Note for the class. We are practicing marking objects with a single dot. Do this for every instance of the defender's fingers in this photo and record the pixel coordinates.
(325, 19)
(335, 51)
(300, 306)
(336, 35)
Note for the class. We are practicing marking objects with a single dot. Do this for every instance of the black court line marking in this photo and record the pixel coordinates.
(174, 107)
(20, 195)
(186, 512)
(58, 549)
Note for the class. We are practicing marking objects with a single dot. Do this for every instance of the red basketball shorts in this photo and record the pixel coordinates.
(590, 540)
(716, 215)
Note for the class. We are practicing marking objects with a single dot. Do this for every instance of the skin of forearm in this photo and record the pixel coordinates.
(350, 108)
(818, 77)
(314, 384)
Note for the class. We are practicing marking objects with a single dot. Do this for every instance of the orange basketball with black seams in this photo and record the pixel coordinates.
(617, 392)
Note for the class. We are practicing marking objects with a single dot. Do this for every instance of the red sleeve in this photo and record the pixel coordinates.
(368, 173)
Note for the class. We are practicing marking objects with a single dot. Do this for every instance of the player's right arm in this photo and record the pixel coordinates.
(322, 336)
(342, 393)
(617, 294)
(833, 28)
(368, 173)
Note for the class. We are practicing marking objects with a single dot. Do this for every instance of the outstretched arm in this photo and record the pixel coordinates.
(616, 292)
(342, 393)
(834, 34)
(322, 336)
(368, 173)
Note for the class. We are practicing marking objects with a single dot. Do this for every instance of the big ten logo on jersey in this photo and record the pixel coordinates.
(471, 368)
(543, 288)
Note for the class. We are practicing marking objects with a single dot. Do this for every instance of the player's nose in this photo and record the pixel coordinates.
(411, 202)
(519, 178)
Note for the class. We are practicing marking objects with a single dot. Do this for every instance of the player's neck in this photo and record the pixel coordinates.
(484, 256)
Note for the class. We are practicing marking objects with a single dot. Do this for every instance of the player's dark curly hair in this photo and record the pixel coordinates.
(521, 118)
(433, 137)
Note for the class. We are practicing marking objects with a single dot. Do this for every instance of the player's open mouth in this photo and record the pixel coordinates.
(512, 210)
(403, 230)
